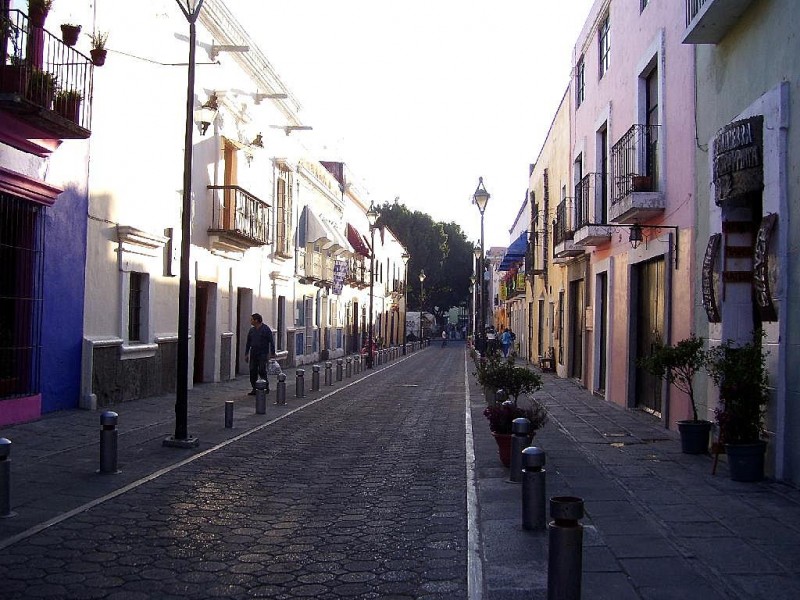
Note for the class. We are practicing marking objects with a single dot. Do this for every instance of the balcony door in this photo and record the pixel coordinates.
(230, 170)
(649, 326)
(652, 121)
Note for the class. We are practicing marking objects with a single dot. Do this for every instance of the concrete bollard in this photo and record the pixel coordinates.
(261, 396)
(357, 363)
(315, 378)
(533, 489)
(565, 558)
(228, 414)
(299, 383)
(108, 442)
(521, 430)
(280, 393)
(5, 479)
(348, 369)
(339, 369)
(328, 373)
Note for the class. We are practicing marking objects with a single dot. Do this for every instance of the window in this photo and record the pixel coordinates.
(604, 40)
(580, 82)
(135, 306)
(283, 211)
(643, 5)
(281, 333)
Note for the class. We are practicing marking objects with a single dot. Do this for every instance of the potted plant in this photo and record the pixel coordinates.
(98, 51)
(41, 87)
(642, 183)
(67, 103)
(14, 73)
(37, 11)
(501, 417)
(740, 373)
(70, 33)
(677, 365)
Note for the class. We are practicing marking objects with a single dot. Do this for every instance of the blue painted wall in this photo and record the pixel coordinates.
(62, 324)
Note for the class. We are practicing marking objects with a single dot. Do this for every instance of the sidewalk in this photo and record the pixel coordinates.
(658, 525)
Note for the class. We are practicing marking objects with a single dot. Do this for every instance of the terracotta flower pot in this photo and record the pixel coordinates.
(70, 33)
(98, 56)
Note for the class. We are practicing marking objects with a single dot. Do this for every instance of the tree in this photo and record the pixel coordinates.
(441, 249)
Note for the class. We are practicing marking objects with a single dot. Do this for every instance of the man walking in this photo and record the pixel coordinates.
(260, 348)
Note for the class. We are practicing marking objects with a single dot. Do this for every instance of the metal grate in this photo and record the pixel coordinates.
(21, 282)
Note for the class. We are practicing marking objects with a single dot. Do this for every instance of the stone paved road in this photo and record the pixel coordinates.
(361, 495)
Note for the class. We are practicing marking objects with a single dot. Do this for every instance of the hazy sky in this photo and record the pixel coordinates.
(421, 97)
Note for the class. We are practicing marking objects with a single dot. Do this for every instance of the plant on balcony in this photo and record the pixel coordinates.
(14, 74)
(70, 33)
(67, 103)
(38, 10)
(98, 51)
(41, 87)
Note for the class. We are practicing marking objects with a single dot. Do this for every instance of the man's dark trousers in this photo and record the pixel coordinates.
(258, 366)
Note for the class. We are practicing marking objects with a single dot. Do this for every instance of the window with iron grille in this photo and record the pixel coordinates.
(604, 42)
(135, 303)
(580, 82)
(21, 286)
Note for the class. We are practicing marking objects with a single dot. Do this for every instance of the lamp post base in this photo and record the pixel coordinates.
(173, 442)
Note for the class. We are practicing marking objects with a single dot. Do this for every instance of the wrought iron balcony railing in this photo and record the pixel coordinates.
(586, 195)
(43, 82)
(634, 162)
(239, 214)
(562, 231)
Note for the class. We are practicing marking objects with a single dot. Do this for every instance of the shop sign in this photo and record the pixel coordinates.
(738, 151)
(710, 278)
(765, 269)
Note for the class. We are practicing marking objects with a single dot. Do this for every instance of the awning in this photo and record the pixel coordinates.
(313, 230)
(357, 241)
(340, 243)
(515, 252)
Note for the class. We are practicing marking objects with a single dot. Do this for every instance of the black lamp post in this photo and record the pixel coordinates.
(421, 299)
(181, 439)
(405, 256)
(481, 197)
(372, 218)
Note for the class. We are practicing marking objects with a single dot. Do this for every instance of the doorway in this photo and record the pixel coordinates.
(576, 328)
(650, 283)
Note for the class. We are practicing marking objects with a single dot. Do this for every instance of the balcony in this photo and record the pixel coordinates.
(318, 268)
(563, 232)
(708, 21)
(635, 174)
(239, 220)
(589, 192)
(44, 87)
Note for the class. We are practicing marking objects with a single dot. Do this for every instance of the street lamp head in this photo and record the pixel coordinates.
(477, 251)
(405, 256)
(207, 113)
(421, 275)
(481, 196)
(372, 215)
(635, 237)
(472, 279)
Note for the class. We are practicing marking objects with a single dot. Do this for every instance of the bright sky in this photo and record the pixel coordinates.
(421, 97)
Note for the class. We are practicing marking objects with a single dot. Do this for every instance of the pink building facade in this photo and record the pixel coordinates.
(631, 147)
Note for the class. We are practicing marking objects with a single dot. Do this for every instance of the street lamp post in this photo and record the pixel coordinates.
(181, 439)
(481, 197)
(473, 306)
(405, 256)
(421, 298)
(372, 218)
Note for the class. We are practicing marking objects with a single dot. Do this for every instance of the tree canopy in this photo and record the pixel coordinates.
(440, 249)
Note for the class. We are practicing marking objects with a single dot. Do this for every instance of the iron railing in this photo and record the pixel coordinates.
(38, 70)
(562, 231)
(237, 211)
(634, 161)
(692, 8)
(586, 209)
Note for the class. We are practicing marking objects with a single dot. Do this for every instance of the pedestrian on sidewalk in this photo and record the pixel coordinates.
(505, 341)
(260, 348)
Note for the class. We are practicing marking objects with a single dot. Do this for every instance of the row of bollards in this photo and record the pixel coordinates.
(345, 368)
(565, 533)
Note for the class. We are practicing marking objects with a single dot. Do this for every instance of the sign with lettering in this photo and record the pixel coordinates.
(738, 158)
(765, 269)
(710, 278)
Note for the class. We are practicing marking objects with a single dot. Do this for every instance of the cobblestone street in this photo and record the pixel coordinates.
(359, 495)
